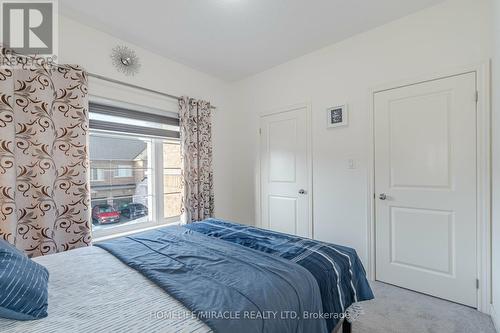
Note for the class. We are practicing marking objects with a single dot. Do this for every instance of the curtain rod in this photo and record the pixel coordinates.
(97, 76)
(100, 77)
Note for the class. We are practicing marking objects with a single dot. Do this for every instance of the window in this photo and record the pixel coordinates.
(96, 174)
(123, 171)
(135, 172)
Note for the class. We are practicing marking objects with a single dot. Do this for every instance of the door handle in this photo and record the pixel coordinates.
(382, 196)
(302, 191)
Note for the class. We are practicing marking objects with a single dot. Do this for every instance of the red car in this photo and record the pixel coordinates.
(104, 214)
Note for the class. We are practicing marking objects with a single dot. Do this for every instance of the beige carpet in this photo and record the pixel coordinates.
(397, 310)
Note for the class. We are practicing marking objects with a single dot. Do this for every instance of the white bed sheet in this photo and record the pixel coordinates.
(92, 291)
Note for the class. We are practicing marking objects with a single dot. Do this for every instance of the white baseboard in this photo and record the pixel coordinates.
(495, 316)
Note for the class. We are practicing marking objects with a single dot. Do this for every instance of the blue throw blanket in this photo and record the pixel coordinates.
(337, 269)
(230, 287)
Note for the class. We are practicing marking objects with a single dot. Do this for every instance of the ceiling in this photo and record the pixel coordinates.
(232, 39)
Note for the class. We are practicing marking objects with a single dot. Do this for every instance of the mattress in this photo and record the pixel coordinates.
(230, 287)
(92, 291)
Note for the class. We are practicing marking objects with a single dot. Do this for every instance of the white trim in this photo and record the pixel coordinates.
(131, 228)
(120, 229)
(131, 232)
(156, 160)
(484, 187)
(483, 176)
(370, 217)
(495, 318)
(309, 158)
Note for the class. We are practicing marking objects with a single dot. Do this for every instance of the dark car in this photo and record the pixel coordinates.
(134, 210)
(104, 214)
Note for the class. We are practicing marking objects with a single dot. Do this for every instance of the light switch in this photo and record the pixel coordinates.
(351, 163)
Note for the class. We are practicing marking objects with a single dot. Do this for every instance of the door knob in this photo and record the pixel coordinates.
(382, 196)
(302, 191)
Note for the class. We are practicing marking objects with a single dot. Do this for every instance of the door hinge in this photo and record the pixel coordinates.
(477, 283)
(477, 96)
(260, 130)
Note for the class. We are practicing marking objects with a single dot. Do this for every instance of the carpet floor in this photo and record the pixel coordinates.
(397, 310)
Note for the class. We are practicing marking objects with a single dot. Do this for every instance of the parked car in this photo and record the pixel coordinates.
(134, 210)
(104, 214)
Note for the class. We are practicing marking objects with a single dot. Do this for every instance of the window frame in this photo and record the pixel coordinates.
(157, 190)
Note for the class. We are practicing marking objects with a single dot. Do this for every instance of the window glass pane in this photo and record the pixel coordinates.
(100, 185)
(172, 205)
(172, 155)
(172, 179)
(117, 211)
(113, 150)
(129, 182)
(121, 184)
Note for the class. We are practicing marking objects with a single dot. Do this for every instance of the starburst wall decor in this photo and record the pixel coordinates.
(125, 60)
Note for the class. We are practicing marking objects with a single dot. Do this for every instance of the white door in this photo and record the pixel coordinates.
(425, 187)
(285, 168)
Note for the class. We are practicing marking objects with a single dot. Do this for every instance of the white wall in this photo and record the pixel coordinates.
(495, 314)
(90, 48)
(454, 33)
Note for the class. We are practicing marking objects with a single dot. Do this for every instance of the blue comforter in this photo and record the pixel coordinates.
(232, 288)
(337, 269)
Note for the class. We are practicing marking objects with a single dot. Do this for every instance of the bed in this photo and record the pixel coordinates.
(140, 283)
(92, 291)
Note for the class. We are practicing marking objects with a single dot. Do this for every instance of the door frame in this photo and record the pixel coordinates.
(483, 177)
(307, 107)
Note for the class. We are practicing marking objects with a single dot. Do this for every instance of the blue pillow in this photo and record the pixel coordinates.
(23, 285)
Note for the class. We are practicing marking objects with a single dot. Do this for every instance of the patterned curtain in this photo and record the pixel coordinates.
(196, 150)
(44, 191)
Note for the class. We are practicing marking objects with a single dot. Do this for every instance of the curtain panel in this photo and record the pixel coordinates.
(44, 188)
(196, 151)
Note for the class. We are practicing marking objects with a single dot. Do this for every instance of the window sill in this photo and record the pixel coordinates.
(104, 237)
